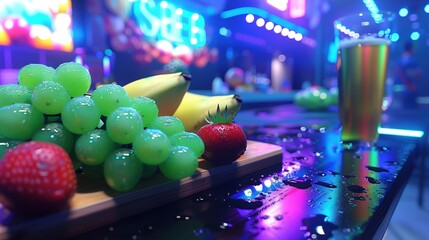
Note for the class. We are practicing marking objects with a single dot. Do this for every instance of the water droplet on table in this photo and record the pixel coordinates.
(324, 184)
(356, 189)
(372, 180)
(298, 183)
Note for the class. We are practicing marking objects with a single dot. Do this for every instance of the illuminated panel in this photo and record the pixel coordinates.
(401, 132)
(297, 8)
(165, 21)
(279, 4)
(37, 23)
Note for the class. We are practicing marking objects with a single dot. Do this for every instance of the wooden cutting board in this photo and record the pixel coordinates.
(95, 204)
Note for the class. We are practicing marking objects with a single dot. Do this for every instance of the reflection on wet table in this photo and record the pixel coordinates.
(321, 191)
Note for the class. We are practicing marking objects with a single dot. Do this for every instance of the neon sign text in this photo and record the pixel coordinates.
(168, 22)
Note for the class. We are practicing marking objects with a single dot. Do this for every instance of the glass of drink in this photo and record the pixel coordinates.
(363, 41)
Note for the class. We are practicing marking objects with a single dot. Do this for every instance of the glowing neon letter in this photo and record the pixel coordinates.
(148, 23)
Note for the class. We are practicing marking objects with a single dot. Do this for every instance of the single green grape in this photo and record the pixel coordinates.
(109, 97)
(122, 170)
(32, 74)
(181, 163)
(123, 125)
(7, 143)
(55, 133)
(20, 121)
(168, 124)
(151, 146)
(190, 140)
(75, 78)
(93, 147)
(146, 107)
(50, 97)
(14, 93)
(80, 115)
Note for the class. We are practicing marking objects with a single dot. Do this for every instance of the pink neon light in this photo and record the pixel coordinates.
(279, 4)
(297, 8)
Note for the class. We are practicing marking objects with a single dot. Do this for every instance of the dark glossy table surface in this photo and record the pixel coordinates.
(319, 192)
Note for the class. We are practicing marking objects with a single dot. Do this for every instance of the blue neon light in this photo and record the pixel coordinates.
(415, 36)
(168, 22)
(372, 6)
(394, 37)
(403, 12)
(263, 14)
(401, 132)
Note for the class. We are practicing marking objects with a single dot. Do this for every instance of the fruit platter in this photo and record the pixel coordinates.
(72, 159)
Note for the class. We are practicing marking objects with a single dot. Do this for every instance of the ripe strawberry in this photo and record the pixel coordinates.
(36, 178)
(224, 140)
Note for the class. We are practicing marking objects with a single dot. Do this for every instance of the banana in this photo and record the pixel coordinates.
(195, 107)
(166, 89)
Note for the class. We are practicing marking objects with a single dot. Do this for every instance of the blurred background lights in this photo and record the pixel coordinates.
(415, 35)
(195, 16)
(250, 18)
(403, 12)
(281, 57)
(224, 32)
(394, 37)
(413, 17)
(164, 4)
(260, 22)
(427, 8)
(298, 37)
(194, 29)
(179, 11)
(285, 32)
(40, 31)
(371, 6)
(415, 25)
(277, 29)
(269, 25)
(194, 41)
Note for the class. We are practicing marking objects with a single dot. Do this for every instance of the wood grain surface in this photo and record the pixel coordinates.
(95, 204)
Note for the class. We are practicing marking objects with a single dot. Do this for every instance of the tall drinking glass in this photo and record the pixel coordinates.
(363, 41)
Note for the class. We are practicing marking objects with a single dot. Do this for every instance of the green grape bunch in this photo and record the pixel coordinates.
(118, 139)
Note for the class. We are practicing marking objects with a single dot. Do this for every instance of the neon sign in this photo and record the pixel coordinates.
(168, 22)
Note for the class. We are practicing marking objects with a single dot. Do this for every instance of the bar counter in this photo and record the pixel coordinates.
(319, 191)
